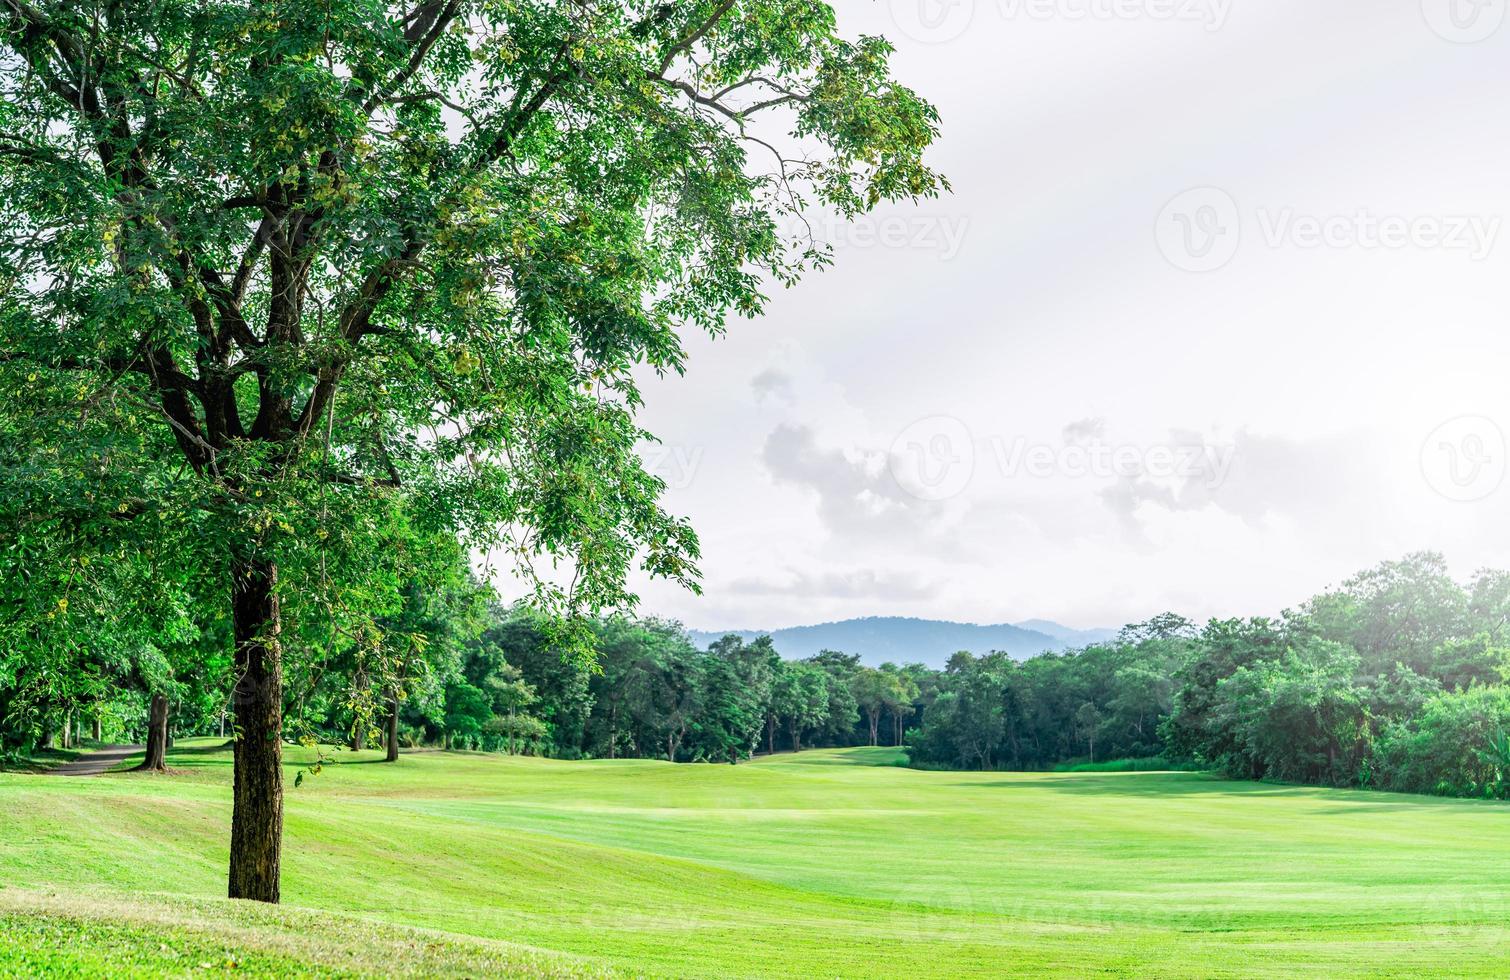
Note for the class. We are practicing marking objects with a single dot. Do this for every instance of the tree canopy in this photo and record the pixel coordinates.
(278, 278)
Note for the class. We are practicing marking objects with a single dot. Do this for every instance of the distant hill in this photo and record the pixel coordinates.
(878, 639)
(1071, 638)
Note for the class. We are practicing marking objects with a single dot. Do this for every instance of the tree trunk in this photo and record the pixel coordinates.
(770, 734)
(97, 726)
(359, 723)
(68, 729)
(392, 729)
(875, 723)
(157, 736)
(257, 811)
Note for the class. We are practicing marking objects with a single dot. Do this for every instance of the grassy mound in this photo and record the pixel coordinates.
(116, 935)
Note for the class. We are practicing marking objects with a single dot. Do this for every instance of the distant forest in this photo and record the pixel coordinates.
(1395, 680)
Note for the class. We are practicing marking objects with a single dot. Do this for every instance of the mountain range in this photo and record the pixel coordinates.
(878, 639)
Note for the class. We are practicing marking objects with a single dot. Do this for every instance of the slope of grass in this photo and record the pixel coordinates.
(118, 934)
(828, 863)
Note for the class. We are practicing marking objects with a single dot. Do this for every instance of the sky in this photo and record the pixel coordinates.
(1214, 317)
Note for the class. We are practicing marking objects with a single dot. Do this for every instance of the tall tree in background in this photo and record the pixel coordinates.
(799, 696)
(264, 262)
(737, 682)
(899, 695)
(873, 690)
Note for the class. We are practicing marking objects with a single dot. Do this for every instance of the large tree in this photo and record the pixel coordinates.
(265, 262)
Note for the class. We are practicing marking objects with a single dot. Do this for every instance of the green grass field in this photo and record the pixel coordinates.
(827, 863)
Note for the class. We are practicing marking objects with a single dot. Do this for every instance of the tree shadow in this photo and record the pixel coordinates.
(881, 756)
(1143, 784)
(201, 749)
(1152, 784)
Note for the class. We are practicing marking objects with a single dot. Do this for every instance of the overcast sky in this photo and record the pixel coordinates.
(1215, 316)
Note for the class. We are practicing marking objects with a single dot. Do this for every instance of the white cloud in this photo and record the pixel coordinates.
(865, 585)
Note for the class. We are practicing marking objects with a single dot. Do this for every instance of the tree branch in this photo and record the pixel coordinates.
(686, 43)
(427, 23)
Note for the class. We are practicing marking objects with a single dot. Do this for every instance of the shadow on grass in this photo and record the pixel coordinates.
(1142, 784)
(1170, 784)
(877, 756)
(205, 758)
(39, 761)
(201, 749)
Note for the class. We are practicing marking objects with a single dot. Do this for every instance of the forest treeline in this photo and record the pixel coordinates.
(1395, 680)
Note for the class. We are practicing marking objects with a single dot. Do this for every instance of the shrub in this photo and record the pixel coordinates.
(1455, 747)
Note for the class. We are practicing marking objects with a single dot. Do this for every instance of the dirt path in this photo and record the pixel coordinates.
(98, 761)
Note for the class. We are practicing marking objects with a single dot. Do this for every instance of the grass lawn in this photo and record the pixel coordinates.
(827, 863)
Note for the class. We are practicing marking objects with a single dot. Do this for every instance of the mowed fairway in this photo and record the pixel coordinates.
(827, 863)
